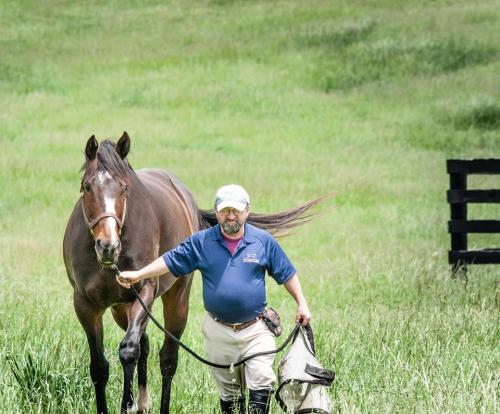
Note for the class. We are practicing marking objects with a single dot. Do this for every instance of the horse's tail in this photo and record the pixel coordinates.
(278, 224)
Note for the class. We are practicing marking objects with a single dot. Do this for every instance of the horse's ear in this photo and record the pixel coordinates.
(123, 145)
(91, 148)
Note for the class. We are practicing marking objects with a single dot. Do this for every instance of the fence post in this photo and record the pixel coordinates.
(458, 181)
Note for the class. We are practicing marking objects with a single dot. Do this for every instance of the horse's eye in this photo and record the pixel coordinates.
(124, 189)
(86, 187)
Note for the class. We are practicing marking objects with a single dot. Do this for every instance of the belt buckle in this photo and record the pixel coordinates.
(236, 326)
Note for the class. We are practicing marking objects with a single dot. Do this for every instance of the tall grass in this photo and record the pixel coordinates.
(292, 100)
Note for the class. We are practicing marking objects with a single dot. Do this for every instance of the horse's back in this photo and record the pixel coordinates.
(174, 205)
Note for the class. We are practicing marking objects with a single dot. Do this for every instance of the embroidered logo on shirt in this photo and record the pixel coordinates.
(251, 258)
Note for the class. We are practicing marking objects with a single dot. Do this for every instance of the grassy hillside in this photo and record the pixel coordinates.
(292, 100)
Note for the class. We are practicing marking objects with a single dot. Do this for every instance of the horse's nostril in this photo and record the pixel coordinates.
(107, 247)
(104, 245)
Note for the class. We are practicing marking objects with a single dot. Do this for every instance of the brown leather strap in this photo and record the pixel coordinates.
(103, 215)
(91, 224)
(237, 326)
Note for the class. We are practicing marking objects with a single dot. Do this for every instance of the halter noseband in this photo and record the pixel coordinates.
(92, 224)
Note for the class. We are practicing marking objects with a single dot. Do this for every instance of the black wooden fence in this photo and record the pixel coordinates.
(458, 198)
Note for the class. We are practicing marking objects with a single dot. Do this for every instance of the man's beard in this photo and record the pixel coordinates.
(231, 228)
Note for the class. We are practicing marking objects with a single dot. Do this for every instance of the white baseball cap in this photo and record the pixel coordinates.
(231, 195)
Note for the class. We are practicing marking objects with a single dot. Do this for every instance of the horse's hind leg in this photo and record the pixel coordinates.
(175, 312)
(91, 320)
(168, 366)
(144, 402)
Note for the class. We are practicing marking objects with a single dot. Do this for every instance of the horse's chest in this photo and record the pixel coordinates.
(102, 293)
(96, 295)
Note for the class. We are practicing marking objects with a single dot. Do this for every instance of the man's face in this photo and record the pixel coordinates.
(232, 220)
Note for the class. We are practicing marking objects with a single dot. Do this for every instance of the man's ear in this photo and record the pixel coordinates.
(91, 148)
(123, 145)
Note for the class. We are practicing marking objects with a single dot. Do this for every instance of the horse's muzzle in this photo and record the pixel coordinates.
(107, 251)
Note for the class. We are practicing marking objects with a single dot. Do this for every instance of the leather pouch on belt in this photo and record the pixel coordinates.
(272, 320)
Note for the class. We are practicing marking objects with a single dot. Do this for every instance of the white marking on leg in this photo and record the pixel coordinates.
(144, 403)
(133, 409)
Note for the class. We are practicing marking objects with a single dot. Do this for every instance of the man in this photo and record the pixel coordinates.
(233, 257)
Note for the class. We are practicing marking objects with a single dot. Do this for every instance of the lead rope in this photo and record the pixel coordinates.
(199, 358)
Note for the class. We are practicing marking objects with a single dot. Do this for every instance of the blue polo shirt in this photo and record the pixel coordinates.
(234, 288)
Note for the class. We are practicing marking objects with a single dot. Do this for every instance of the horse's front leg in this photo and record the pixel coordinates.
(91, 321)
(130, 347)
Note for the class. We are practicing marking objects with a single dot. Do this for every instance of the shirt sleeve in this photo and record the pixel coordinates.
(279, 266)
(182, 259)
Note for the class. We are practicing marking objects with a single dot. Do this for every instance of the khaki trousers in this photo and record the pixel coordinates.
(225, 346)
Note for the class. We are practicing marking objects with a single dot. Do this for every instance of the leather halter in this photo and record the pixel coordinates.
(92, 224)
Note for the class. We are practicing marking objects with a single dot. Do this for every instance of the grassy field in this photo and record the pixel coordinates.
(293, 100)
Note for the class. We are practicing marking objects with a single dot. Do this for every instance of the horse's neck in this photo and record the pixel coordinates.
(142, 209)
(141, 236)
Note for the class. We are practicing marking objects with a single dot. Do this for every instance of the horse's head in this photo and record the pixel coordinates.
(104, 195)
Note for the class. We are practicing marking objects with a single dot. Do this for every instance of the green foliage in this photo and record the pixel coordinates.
(41, 384)
(293, 100)
(331, 36)
(388, 59)
(484, 116)
(47, 377)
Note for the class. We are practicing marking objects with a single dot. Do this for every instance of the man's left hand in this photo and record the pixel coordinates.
(303, 315)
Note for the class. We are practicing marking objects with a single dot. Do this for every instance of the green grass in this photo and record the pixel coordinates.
(293, 100)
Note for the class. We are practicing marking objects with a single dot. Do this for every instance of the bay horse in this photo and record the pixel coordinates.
(127, 218)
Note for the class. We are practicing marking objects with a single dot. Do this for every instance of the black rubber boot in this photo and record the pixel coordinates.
(233, 406)
(260, 401)
(242, 405)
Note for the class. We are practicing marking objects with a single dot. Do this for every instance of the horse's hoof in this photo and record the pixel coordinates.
(146, 408)
(133, 409)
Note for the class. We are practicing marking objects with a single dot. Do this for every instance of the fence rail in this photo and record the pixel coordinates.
(459, 226)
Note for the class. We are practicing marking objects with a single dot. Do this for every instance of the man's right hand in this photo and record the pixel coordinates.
(127, 278)
(156, 268)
